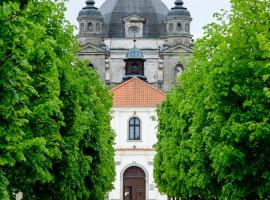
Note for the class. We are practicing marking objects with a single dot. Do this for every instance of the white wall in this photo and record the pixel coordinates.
(120, 121)
(127, 156)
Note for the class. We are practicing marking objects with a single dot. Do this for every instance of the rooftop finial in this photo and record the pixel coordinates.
(178, 3)
(90, 4)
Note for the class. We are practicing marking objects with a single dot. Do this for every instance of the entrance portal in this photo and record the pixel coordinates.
(134, 184)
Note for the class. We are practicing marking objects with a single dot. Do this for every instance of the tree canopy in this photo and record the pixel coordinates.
(214, 127)
(56, 140)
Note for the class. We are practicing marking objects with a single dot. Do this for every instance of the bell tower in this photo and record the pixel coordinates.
(134, 64)
(177, 48)
(90, 24)
(178, 25)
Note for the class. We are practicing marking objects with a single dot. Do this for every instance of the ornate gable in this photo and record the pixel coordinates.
(134, 18)
(134, 25)
(90, 48)
(178, 48)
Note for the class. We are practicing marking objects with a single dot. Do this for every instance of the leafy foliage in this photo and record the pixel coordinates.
(56, 140)
(214, 130)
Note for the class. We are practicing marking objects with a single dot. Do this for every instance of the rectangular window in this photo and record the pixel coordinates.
(134, 130)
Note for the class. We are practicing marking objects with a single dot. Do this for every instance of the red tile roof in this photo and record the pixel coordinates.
(136, 93)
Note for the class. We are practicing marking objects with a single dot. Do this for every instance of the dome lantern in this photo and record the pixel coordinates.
(89, 11)
(134, 53)
(134, 64)
(179, 10)
(90, 24)
(178, 21)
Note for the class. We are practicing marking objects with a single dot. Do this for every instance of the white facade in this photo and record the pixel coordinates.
(165, 45)
(135, 153)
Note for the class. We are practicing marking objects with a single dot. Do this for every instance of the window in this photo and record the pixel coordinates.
(187, 27)
(133, 31)
(171, 28)
(82, 27)
(179, 69)
(134, 132)
(179, 26)
(91, 65)
(133, 25)
(90, 27)
(97, 27)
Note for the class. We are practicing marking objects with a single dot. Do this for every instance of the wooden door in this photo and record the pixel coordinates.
(134, 184)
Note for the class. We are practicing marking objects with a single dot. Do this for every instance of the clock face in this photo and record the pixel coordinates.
(179, 26)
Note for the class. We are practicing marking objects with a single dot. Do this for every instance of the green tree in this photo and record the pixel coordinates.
(214, 130)
(56, 140)
(30, 110)
(86, 170)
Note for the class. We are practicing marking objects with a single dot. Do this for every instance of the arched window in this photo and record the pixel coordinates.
(170, 27)
(134, 129)
(82, 27)
(97, 27)
(179, 68)
(91, 65)
(133, 31)
(179, 26)
(90, 26)
(187, 27)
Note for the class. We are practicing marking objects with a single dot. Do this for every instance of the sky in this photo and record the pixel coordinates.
(201, 11)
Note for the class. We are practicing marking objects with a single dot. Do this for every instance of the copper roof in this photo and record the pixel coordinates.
(136, 93)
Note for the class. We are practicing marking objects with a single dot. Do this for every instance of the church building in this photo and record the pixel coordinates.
(138, 47)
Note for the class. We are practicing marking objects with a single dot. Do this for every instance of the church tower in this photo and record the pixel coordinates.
(177, 48)
(91, 38)
(90, 24)
(134, 64)
(178, 24)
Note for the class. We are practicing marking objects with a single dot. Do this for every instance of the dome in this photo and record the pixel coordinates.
(154, 12)
(134, 53)
(179, 10)
(90, 11)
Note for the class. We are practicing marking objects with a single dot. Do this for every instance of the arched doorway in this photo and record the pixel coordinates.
(134, 184)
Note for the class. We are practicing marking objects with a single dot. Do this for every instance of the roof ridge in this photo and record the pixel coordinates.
(147, 84)
(136, 78)
(136, 93)
(121, 84)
